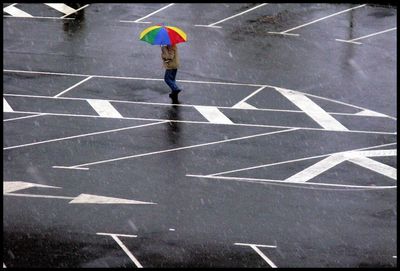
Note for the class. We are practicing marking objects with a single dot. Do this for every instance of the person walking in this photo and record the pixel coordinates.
(170, 57)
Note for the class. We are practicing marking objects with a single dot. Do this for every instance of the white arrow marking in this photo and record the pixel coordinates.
(104, 108)
(313, 110)
(9, 187)
(87, 198)
(125, 249)
(213, 115)
(255, 247)
(6, 106)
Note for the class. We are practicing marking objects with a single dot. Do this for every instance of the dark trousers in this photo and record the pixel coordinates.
(169, 78)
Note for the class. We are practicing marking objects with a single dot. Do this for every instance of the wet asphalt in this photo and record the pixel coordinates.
(220, 200)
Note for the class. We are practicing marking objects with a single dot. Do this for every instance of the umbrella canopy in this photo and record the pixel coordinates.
(163, 35)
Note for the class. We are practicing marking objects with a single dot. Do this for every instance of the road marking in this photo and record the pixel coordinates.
(125, 249)
(6, 106)
(171, 229)
(79, 168)
(25, 117)
(313, 110)
(212, 114)
(40, 17)
(87, 198)
(83, 135)
(316, 169)
(83, 199)
(263, 181)
(104, 108)
(16, 12)
(188, 81)
(300, 159)
(9, 187)
(238, 105)
(376, 166)
(4, 266)
(181, 148)
(85, 6)
(223, 20)
(63, 8)
(367, 36)
(358, 158)
(206, 122)
(256, 249)
(68, 89)
(370, 113)
(244, 105)
(300, 26)
(138, 20)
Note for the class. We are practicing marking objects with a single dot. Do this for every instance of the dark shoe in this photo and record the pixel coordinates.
(174, 97)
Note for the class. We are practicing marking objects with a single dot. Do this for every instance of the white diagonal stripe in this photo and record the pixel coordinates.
(16, 12)
(104, 108)
(61, 8)
(376, 166)
(212, 114)
(244, 105)
(373, 153)
(316, 169)
(237, 14)
(313, 110)
(370, 113)
(6, 106)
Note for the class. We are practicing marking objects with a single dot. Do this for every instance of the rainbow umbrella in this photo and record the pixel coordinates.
(163, 35)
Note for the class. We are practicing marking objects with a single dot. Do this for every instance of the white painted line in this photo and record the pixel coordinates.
(353, 42)
(374, 153)
(376, 166)
(212, 114)
(136, 21)
(287, 34)
(25, 117)
(223, 20)
(370, 113)
(182, 148)
(126, 250)
(265, 258)
(116, 234)
(79, 168)
(9, 187)
(261, 181)
(104, 108)
(75, 11)
(4, 266)
(370, 35)
(68, 89)
(248, 97)
(256, 249)
(299, 159)
(63, 8)
(313, 110)
(6, 106)
(206, 122)
(337, 13)
(244, 105)
(210, 26)
(246, 244)
(41, 17)
(83, 135)
(16, 12)
(395, 257)
(171, 229)
(87, 198)
(36, 196)
(316, 169)
(125, 21)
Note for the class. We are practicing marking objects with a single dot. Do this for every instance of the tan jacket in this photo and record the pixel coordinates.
(169, 55)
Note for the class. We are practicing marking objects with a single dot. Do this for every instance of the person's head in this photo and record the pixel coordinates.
(171, 46)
